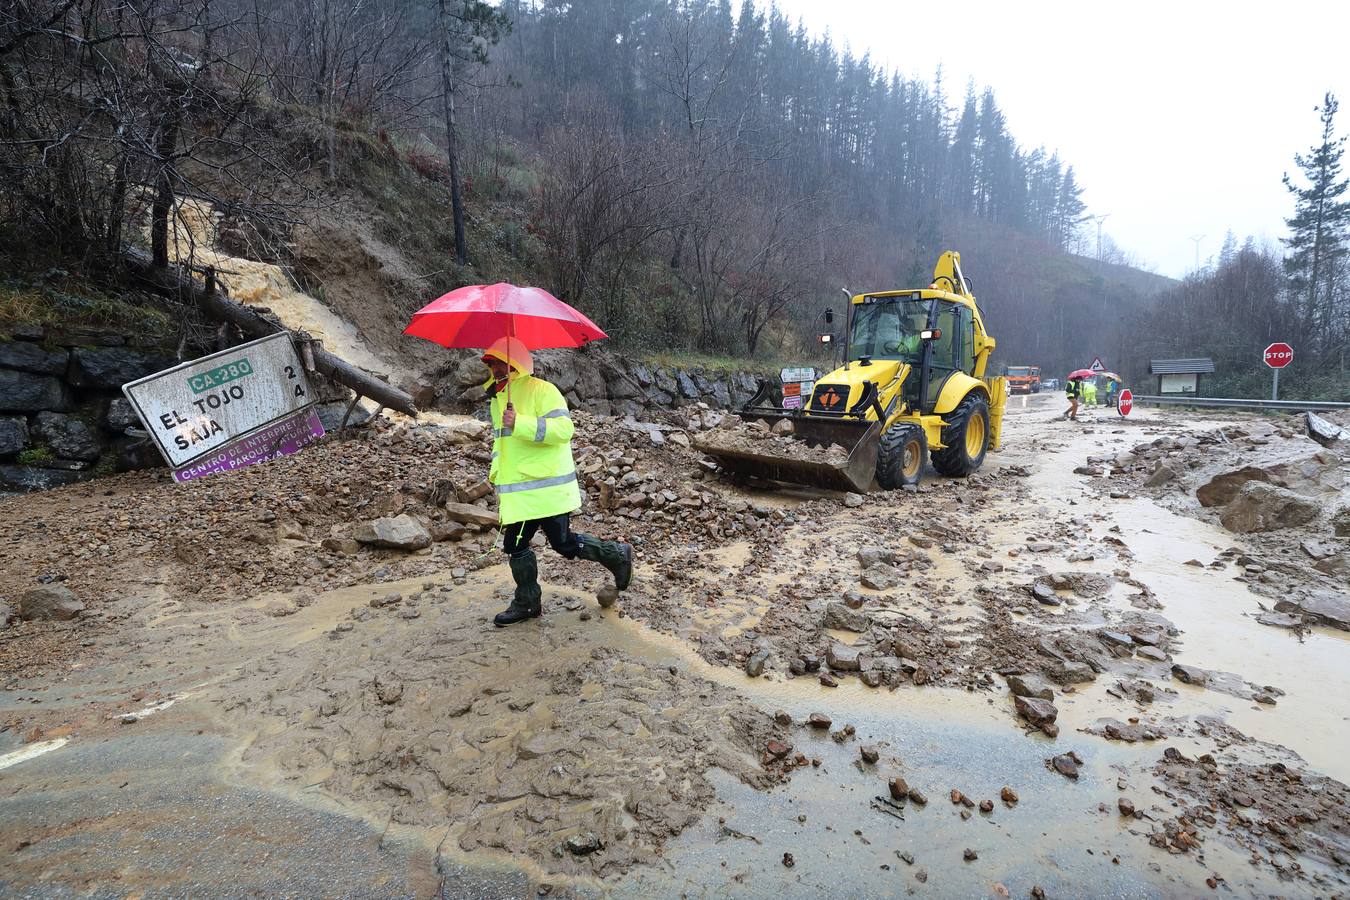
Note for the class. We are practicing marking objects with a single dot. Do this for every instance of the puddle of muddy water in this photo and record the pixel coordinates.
(1214, 612)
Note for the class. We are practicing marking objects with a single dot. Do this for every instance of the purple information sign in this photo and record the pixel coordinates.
(281, 438)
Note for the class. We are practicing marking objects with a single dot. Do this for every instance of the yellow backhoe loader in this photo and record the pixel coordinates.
(912, 387)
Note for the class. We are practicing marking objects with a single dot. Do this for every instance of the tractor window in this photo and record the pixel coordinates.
(967, 351)
(888, 330)
(947, 349)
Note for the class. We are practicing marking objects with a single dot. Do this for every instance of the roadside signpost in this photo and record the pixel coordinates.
(1097, 365)
(1125, 402)
(1277, 356)
(228, 410)
(798, 383)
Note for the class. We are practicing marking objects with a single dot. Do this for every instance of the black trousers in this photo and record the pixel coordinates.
(558, 530)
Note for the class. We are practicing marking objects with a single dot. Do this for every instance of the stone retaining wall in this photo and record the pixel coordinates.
(62, 415)
(607, 384)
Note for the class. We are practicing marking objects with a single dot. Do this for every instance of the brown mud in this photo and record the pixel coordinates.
(627, 750)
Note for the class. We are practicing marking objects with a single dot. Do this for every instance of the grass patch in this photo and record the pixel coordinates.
(79, 304)
(710, 363)
(35, 457)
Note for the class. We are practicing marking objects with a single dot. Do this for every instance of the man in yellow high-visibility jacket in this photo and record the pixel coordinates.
(536, 478)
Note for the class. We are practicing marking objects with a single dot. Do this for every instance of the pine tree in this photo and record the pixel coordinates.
(1318, 229)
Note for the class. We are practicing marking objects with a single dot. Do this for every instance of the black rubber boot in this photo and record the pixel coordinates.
(613, 555)
(526, 604)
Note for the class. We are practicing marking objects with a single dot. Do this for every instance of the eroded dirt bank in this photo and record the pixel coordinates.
(1165, 737)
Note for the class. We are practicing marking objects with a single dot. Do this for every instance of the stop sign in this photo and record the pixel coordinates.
(1125, 402)
(1279, 355)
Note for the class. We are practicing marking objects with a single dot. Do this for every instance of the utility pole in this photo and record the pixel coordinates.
(1100, 219)
(1197, 238)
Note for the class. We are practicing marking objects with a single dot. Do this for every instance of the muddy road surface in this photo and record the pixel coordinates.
(1066, 676)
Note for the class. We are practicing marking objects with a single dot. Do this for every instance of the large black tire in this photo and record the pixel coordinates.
(903, 453)
(967, 425)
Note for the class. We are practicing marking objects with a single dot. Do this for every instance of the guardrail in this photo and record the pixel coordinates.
(1239, 403)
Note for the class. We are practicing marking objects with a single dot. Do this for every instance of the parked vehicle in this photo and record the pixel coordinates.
(1024, 379)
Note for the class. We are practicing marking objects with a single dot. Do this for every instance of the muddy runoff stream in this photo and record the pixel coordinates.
(626, 752)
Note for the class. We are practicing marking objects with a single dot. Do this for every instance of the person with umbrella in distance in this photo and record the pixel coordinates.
(532, 466)
(1073, 391)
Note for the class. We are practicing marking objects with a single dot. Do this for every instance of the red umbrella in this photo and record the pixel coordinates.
(1082, 373)
(479, 314)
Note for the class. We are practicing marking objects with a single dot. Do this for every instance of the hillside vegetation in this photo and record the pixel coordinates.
(700, 180)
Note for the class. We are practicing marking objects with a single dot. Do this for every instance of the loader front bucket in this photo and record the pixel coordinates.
(860, 438)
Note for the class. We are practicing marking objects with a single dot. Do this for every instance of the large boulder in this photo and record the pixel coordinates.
(1224, 487)
(721, 394)
(401, 532)
(30, 357)
(25, 392)
(68, 437)
(51, 601)
(1263, 507)
(1340, 522)
(557, 367)
(13, 435)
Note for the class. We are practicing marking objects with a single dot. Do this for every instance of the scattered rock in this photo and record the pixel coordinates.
(754, 666)
(1066, 764)
(582, 844)
(970, 855)
(1030, 686)
(869, 753)
(840, 616)
(1190, 674)
(401, 532)
(49, 602)
(469, 514)
(917, 797)
(899, 788)
(788, 861)
(1126, 806)
(819, 720)
(843, 658)
(1037, 712)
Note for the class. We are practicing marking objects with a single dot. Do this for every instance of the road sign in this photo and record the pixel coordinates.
(1279, 355)
(792, 402)
(797, 373)
(1097, 365)
(792, 389)
(1125, 402)
(200, 406)
(283, 437)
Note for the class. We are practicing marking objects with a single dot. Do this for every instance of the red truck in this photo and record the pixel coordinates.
(1024, 379)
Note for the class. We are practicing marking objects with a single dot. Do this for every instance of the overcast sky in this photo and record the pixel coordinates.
(1178, 117)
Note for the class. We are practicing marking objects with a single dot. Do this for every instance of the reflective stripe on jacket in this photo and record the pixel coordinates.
(532, 464)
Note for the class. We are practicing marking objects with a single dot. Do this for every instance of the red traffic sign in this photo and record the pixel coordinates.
(1125, 402)
(1279, 355)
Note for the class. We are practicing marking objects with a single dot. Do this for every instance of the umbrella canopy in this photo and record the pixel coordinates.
(478, 315)
(1111, 376)
(1081, 373)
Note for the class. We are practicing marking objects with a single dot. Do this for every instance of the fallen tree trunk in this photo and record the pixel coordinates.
(216, 306)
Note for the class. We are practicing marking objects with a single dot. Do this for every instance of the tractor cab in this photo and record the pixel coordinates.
(932, 336)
